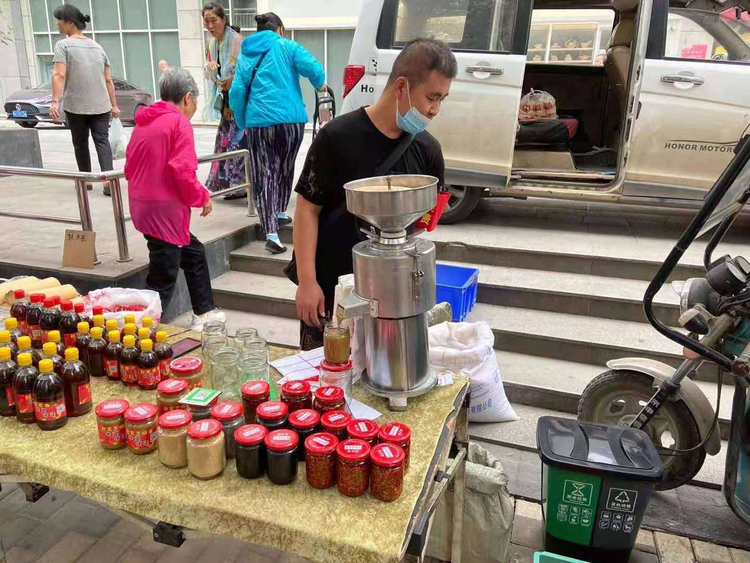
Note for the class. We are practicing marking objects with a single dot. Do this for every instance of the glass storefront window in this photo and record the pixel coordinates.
(112, 46)
(163, 14)
(105, 15)
(39, 15)
(134, 14)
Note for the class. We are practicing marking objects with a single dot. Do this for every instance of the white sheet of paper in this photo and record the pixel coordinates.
(312, 356)
(445, 379)
(361, 410)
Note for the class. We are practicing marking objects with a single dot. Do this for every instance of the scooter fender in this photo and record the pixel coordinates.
(689, 392)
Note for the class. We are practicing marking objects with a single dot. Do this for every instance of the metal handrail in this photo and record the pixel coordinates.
(113, 177)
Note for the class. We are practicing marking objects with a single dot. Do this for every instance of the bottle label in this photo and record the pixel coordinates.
(129, 374)
(36, 332)
(48, 412)
(141, 439)
(149, 376)
(11, 396)
(23, 326)
(84, 393)
(25, 403)
(164, 369)
(70, 340)
(165, 408)
(112, 367)
(112, 435)
(45, 336)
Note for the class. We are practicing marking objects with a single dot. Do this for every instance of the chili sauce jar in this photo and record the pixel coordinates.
(172, 440)
(335, 422)
(329, 398)
(320, 460)
(206, 450)
(110, 422)
(305, 423)
(399, 434)
(188, 368)
(387, 472)
(353, 467)
(281, 446)
(168, 394)
(229, 414)
(363, 429)
(140, 428)
(251, 450)
(254, 393)
(272, 414)
(297, 395)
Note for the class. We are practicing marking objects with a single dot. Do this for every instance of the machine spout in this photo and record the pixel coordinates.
(355, 306)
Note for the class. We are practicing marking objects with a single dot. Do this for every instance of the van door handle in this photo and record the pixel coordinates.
(680, 79)
(481, 71)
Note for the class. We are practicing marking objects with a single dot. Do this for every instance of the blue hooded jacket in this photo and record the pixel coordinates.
(275, 96)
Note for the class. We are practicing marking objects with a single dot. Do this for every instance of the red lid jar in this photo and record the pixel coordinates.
(250, 435)
(141, 428)
(272, 414)
(387, 472)
(399, 434)
(305, 422)
(353, 467)
(206, 449)
(204, 429)
(169, 393)
(281, 446)
(363, 429)
(254, 393)
(251, 450)
(330, 398)
(230, 415)
(175, 419)
(110, 421)
(336, 422)
(297, 395)
(188, 368)
(320, 460)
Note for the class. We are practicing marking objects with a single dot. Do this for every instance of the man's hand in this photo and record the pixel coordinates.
(54, 111)
(207, 208)
(310, 303)
(212, 65)
(115, 112)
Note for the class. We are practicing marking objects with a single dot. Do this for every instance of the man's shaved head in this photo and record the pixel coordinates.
(421, 57)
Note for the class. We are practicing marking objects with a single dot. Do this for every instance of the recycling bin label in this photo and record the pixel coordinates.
(622, 499)
(571, 504)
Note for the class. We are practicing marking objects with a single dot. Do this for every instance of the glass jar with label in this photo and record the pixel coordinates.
(110, 422)
(272, 414)
(206, 453)
(172, 440)
(188, 368)
(230, 415)
(363, 429)
(329, 398)
(251, 450)
(387, 472)
(254, 393)
(339, 375)
(140, 428)
(297, 395)
(305, 423)
(353, 467)
(336, 343)
(169, 393)
(335, 422)
(399, 434)
(282, 456)
(320, 460)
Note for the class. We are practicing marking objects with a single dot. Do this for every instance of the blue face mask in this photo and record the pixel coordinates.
(413, 122)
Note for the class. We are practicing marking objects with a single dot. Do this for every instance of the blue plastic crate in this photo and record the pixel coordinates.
(457, 286)
(547, 557)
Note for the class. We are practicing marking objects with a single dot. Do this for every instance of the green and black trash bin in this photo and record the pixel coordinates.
(596, 483)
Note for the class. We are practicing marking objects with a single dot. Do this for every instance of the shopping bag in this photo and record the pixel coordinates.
(537, 104)
(117, 139)
(118, 301)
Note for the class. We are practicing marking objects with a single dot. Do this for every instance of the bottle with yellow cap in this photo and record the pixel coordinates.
(149, 375)
(96, 353)
(24, 345)
(110, 325)
(6, 340)
(148, 322)
(99, 320)
(8, 370)
(11, 325)
(23, 388)
(49, 352)
(130, 330)
(129, 361)
(82, 342)
(77, 383)
(112, 356)
(49, 398)
(54, 336)
(129, 319)
(143, 334)
(164, 352)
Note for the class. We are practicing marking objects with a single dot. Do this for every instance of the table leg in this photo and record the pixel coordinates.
(459, 483)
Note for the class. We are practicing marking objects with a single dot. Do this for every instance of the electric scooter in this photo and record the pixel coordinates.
(715, 313)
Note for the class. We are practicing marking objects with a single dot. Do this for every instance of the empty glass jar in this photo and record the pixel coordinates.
(256, 346)
(252, 367)
(224, 372)
(243, 333)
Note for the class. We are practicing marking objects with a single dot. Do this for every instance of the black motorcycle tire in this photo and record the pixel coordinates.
(678, 469)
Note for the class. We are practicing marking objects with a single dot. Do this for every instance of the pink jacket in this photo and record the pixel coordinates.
(161, 172)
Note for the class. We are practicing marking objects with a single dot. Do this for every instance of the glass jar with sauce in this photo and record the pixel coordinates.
(77, 383)
(297, 395)
(49, 398)
(164, 352)
(110, 422)
(83, 339)
(23, 389)
(129, 362)
(363, 429)
(387, 472)
(96, 352)
(282, 456)
(272, 414)
(172, 440)
(251, 450)
(353, 467)
(305, 423)
(339, 375)
(140, 428)
(206, 454)
(320, 460)
(8, 370)
(112, 355)
(336, 344)
(229, 414)
(188, 368)
(149, 375)
(335, 422)
(253, 394)
(399, 434)
(329, 398)
(169, 393)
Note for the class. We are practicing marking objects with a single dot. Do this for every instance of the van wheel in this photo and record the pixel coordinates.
(462, 202)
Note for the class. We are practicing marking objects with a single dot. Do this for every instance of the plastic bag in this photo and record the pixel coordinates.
(468, 349)
(537, 104)
(117, 139)
(117, 301)
(356, 326)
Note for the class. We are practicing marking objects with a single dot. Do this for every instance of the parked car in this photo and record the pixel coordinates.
(654, 101)
(28, 108)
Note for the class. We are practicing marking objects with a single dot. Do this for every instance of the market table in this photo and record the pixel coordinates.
(321, 525)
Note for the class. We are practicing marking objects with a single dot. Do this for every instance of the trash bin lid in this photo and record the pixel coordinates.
(597, 448)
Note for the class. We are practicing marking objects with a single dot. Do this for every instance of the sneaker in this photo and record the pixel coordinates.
(200, 320)
(107, 191)
(284, 221)
(275, 247)
(89, 186)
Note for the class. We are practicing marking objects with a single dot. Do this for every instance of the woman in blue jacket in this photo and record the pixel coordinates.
(267, 101)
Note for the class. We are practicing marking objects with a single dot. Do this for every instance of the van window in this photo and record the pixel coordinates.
(477, 25)
(574, 37)
(707, 36)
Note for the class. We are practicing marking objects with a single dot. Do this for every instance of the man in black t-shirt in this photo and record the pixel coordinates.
(354, 146)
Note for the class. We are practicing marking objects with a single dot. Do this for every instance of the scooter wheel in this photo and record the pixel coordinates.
(617, 396)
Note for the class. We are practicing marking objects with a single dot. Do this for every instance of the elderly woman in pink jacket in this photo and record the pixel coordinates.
(161, 170)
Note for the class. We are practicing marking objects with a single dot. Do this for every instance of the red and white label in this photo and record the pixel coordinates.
(329, 392)
(352, 447)
(304, 416)
(70, 340)
(141, 439)
(255, 387)
(295, 386)
(23, 327)
(129, 374)
(386, 451)
(281, 439)
(362, 427)
(35, 332)
(48, 412)
(394, 431)
(322, 441)
(148, 376)
(112, 435)
(45, 336)
(25, 403)
(84, 393)
(335, 417)
(112, 368)
(10, 396)
(165, 408)
(164, 369)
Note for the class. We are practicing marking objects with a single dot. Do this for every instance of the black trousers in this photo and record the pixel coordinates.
(80, 125)
(311, 337)
(165, 261)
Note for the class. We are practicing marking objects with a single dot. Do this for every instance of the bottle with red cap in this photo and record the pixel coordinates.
(84, 316)
(69, 323)
(20, 309)
(57, 300)
(33, 316)
(50, 319)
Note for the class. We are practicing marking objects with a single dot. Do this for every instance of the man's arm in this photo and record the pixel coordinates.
(58, 85)
(310, 299)
(111, 90)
